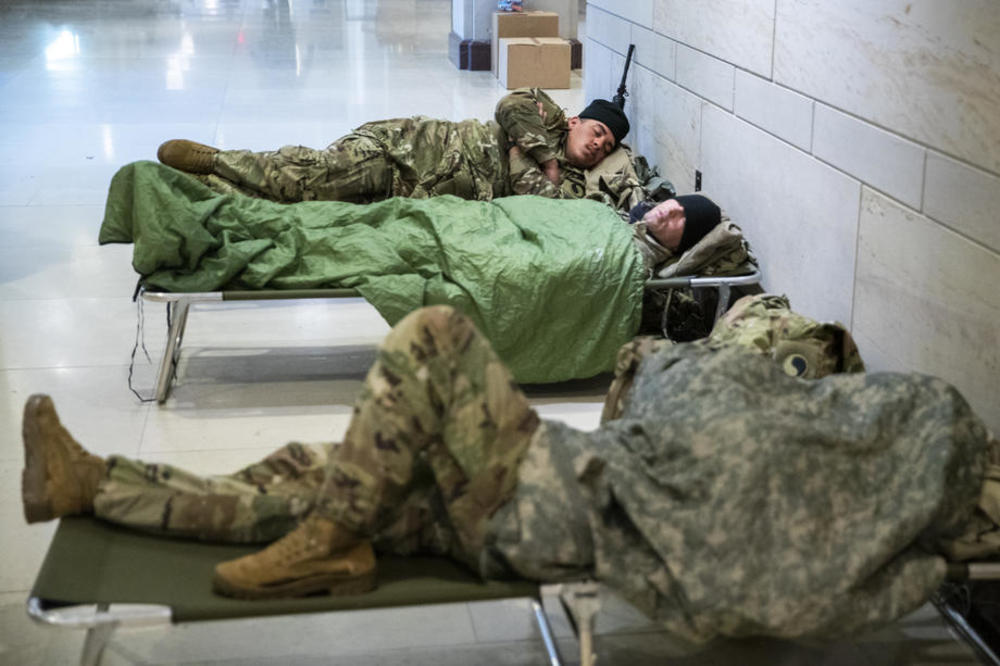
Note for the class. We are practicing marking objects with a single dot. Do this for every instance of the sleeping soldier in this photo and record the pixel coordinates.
(531, 148)
(670, 228)
(733, 488)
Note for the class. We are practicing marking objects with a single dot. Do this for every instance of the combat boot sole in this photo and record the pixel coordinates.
(342, 584)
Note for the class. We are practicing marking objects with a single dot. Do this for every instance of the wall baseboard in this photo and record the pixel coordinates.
(475, 54)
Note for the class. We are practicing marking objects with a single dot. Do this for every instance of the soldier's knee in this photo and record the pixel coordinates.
(441, 323)
(438, 317)
(433, 317)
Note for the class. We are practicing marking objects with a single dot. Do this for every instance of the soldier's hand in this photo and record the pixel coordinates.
(514, 152)
(541, 111)
(551, 169)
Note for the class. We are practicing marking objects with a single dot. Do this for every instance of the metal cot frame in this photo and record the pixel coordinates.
(179, 306)
(85, 548)
(99, 577)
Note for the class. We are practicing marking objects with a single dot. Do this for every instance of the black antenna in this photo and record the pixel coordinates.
(619, 99)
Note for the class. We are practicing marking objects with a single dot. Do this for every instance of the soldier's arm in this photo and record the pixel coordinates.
(528, 115)
(527, 177)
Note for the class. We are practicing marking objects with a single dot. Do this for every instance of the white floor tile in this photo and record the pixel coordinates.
(94, 404)
(29, 228)
(53, 271)
(62, 333)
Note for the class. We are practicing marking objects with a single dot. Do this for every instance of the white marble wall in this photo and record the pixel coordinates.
(856, 142)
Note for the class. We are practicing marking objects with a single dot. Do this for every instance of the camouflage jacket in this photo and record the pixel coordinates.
(763, 324)
(470, 159)
(432, 157)
(533, 122)
(729, 498)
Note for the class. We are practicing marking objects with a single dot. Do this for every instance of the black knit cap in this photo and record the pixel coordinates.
(610, 114)
(701, 215)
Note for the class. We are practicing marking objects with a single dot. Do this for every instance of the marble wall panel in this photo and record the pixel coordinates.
(458, 17)
(927, 69)
(655, 52)
(704, 75)
(608, 29)
(636, 11)
(926, 300)
(603, 72)
(666, 126)
(778, 110)
(885, 161)
(799, 215)
(737, 32)
(964, 198)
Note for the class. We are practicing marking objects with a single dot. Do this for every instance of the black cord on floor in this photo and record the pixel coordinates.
(140, 343)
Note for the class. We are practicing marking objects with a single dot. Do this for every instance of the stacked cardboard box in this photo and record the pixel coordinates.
(527, 50)
(534, 62)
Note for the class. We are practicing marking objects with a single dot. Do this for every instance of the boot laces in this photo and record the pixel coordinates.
(301, 543)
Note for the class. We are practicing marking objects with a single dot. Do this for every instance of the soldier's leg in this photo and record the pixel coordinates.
(437, 400)
(437, 394)
(354, 169)
(257, 504)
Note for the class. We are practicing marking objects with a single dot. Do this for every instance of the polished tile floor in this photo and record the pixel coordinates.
(88, 85)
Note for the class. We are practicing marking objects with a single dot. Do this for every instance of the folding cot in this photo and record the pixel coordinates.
(179, 306)
(98, 576)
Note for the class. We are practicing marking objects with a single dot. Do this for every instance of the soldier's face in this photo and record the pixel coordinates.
(666, 223)
(589, 141)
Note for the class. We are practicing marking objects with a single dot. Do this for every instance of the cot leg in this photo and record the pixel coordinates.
(547, 637)
(582, 601)
(723, 304)
(96, 640)
(168, 364)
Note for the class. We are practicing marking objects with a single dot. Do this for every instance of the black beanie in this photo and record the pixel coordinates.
(701, 215)
(610, 114)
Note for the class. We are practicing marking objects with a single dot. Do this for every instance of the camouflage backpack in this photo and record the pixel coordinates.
(762, 323)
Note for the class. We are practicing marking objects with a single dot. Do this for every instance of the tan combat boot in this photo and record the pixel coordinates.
(188, 156)
(318, 556)
(60, 477)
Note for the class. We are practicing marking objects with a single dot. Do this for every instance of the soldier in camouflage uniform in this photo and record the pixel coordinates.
(531, 148)
(723, 493)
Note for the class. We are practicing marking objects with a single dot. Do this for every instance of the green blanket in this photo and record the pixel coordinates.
(555, 285)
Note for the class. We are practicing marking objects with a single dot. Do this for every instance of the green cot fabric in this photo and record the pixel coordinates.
(555, 285)
(91, 561)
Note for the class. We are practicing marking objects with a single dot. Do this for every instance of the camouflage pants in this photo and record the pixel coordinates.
(259, 503)
(440, 423)
(431, 452)
(353, 169)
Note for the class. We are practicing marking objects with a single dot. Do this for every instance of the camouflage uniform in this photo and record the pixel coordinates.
(259, 503)
(730, 498)
(539, 128)
(421, 157)
(265, 500)
(432, 450)
(723, 494)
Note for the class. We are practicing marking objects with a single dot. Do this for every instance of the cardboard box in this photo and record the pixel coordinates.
(520, 24)
(534, 62)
